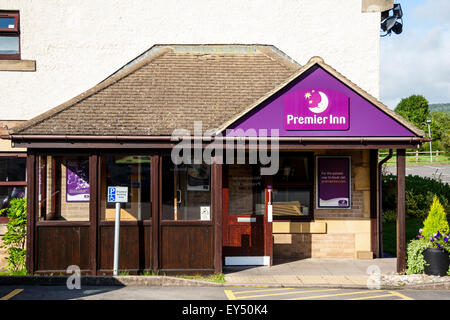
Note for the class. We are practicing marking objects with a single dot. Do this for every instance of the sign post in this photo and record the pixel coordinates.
(117, 195)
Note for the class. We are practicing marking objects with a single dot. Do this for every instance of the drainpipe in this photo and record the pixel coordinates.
(380, 210)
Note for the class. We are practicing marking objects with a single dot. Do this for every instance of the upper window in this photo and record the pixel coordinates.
(9, 35)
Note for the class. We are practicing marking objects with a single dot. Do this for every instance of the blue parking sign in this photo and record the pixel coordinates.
(118, 194)
(111, 194)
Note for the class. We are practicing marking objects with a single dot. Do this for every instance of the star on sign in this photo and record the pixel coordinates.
(307, 95)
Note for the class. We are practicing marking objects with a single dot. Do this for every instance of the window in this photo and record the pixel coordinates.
(292, 186)
(12, 180)
(64, 191)
(133, 172)
(246, 190)
(9, 35)
(186, 191)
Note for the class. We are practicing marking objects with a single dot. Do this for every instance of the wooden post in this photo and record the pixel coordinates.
(155, 188)
(216, 183)
(374, 223)
(401, 216)
(93, 207)
(31, 212)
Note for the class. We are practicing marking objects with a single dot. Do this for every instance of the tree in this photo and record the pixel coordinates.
(440, 130)
(415, 109)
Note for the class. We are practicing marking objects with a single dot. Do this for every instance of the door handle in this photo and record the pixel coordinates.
(178, 196)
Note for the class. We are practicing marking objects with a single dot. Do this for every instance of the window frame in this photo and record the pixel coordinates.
(13, 183)
(41, 205)
(163, 158)
(300, 185)
(15, 32)
(102, 157)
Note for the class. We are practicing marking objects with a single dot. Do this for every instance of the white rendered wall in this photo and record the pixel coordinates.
(77, 44)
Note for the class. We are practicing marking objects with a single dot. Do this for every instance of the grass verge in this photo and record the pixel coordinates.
(219, 278)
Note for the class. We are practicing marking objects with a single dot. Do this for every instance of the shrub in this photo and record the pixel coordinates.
(389, 215)
(419, 195)
(436, 221)
(14, 238)
(415, 259)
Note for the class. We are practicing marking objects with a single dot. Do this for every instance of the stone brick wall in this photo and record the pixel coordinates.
(302, 245)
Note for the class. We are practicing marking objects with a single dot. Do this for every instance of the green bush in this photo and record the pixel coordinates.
(14, 238)
(436, 220)
(390, 215)
(433, 234)
(415, 259)
(419, 195)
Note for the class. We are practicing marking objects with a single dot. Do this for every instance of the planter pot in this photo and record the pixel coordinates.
(437, 262)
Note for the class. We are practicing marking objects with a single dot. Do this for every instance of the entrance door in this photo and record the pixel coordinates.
(247, 233)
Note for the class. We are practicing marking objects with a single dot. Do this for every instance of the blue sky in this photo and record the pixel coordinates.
(418, 60)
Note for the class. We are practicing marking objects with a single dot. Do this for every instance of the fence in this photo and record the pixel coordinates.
(421, 156)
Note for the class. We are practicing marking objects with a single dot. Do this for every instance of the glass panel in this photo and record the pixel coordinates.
(293, 168)
(246, 192)
(64, 191)
(291, 202)
(12, 169)
(132, 172)
(186, 191)
(7, 23)
(9, 45)
(7, 194)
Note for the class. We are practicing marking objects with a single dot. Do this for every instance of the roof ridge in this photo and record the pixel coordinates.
(283, 61)
(88, 93)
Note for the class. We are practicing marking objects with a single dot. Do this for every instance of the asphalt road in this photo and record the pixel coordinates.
(434, 171)
(212, 293)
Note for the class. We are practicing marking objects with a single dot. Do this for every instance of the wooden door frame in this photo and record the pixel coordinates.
(267, 226)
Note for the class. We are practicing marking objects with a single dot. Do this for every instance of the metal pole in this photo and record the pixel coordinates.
(116, 240)
(431, 150)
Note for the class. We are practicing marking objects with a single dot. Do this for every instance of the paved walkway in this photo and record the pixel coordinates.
(340, 272)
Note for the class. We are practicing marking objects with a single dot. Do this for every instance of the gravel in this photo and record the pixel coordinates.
(413, 279)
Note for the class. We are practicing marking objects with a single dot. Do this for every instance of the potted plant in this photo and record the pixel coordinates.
(436, 233)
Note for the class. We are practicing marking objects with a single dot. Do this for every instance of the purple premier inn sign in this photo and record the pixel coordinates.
(333, 182)
(316, 109)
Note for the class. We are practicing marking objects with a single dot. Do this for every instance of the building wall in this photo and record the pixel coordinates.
(77, 44)
(335, 233)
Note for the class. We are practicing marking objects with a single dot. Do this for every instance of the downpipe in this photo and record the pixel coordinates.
(380, 205)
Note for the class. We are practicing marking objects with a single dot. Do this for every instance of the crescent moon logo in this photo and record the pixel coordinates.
(322, 105)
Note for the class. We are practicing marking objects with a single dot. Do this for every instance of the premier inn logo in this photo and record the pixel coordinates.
(316, 109)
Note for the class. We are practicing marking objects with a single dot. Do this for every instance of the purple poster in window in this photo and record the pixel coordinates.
(333, 182)
(316, 109)
(77, 180)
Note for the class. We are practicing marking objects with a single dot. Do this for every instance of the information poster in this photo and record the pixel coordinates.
(334, 182)
(77, 181)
